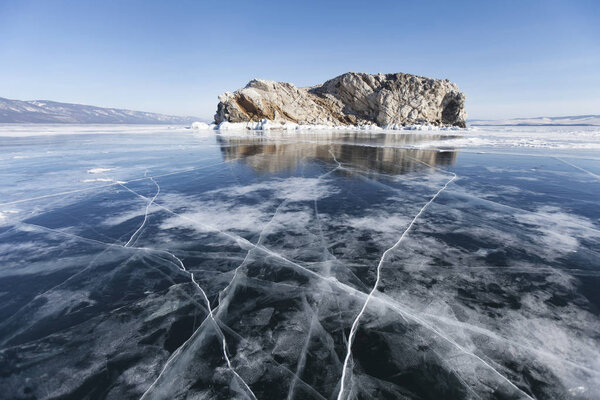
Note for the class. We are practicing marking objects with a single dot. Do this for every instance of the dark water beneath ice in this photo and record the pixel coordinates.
(177, 265)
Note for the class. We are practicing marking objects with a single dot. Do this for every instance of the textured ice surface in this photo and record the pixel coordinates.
(170, 264)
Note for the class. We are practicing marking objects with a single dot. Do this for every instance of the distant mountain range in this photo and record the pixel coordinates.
(45, 111)
(572, 120)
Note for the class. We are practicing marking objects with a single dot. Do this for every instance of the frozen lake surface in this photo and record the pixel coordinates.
(166, 263)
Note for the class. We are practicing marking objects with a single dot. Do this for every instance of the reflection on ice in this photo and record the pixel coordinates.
(367, 152)
(299, 266)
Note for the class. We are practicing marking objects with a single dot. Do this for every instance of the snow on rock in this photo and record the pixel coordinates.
(266, 125)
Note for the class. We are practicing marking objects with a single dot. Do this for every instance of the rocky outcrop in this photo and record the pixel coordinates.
(349, 99)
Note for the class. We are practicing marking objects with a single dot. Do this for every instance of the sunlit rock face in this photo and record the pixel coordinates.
(349, 99)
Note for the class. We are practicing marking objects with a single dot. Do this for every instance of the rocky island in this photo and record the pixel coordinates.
(357, 99)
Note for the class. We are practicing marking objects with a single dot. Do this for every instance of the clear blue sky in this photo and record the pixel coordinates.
(512, 58)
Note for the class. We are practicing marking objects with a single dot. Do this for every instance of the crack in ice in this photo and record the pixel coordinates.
(16, 313)
(579, 168)
(378, 278)
(256, 246)
(372, 294)
(134, 236)
(180, 265)
(393, 304)
(113, 184)
(208, 306)
(217, 328)
(302, 359)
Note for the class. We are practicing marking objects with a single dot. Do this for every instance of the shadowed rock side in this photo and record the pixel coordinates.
(349, 99)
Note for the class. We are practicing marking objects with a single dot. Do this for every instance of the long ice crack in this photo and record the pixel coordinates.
(377, 280)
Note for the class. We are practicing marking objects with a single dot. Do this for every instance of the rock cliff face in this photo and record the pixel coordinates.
(349, 99)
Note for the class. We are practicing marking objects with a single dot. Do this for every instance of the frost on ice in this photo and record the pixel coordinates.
(299, 265)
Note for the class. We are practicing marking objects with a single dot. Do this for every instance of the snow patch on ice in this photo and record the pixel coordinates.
(97, 180)
(559, 230)
(201, 126)
(28, 130)
(98, 170)
(5, 215)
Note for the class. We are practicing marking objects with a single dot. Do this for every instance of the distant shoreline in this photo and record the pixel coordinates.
(470, 124)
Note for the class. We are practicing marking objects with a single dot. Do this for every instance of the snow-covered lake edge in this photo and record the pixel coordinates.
(265, 125)
(530, 137)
